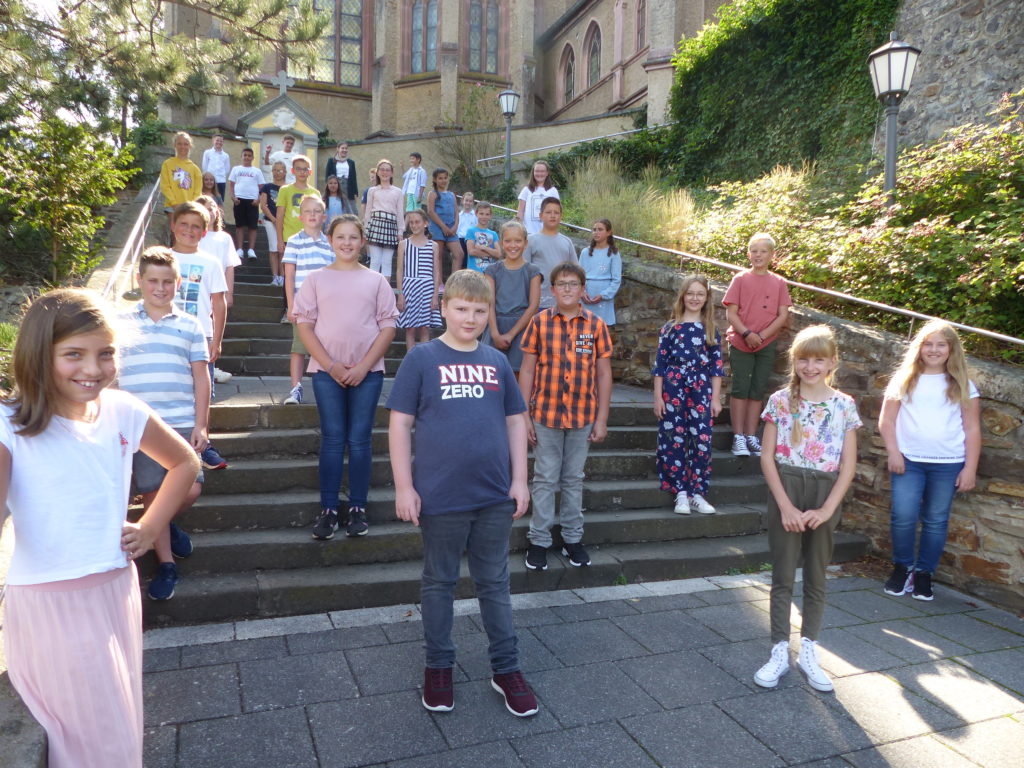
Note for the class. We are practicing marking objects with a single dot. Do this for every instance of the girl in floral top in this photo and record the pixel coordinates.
(687, 382)
(809, 457)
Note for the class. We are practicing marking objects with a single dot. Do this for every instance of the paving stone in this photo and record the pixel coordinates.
(742, 660)
(474, 660)
(828, 762)
(280, 739)
(678, 586)
(739, 621)
(738, 595)
(959, 690)
(995, 744)
(295, 680)
(182, 695)
(335, 640)
(284, 625)
(606, 745)
(480, 715)
(852, 583)
(680, 739)
(620, 592)
(1004, 667)
(874, 606)
(159, 747)
(971, 632)
(681, 679)
(401, 728)
(160, 659)
(912, 753)
(531, 617)
(364, 617)
(586, 642)
(946, 601)
(495, 754)
(1003, 619)
(797, 724)
(239, 650)
(587, 611)
(886, 710)
(668, 631)
(667, 602)
(406, 631)
(908, 640)
(545, 599)
(174, 637)
(832, 617)
(842, 653)
(592, 693)
(386, 668)
(743, 580)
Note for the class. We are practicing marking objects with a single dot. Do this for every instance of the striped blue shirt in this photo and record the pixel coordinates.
(156, 362)
(307, 255)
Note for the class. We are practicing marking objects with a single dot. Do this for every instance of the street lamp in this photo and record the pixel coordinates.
(509, 101)
(892, 68)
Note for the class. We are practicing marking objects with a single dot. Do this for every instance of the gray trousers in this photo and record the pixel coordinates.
(807, 489)
(558, 460)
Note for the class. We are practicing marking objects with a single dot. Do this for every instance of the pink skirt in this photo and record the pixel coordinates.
(74, 654)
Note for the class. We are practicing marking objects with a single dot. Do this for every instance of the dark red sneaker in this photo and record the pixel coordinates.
(519, 698)
(438, 693)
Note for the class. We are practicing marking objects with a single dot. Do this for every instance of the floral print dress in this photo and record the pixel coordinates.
(687, 364)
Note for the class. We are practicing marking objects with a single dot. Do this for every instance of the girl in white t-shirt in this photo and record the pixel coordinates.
(73, 615)
(932, 431)
(533, 194)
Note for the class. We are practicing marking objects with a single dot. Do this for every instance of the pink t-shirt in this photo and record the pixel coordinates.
(758, 298)
(348, 308)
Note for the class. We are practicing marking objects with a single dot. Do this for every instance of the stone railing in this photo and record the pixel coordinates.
(985, 551)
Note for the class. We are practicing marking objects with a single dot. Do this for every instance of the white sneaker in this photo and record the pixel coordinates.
(278, 281)
(240, 253)
(295, 396)
(768, 676)
(682, 504)
(221, 377)
(250, 254)
(754, 445)
(808, 663)
(700, 504)
(739, 446)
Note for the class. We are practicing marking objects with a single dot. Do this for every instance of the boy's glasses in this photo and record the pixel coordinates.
(563, 285)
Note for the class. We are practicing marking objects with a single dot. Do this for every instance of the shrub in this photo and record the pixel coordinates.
(8, 335)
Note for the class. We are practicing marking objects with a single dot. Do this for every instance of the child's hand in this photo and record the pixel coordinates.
(353, 376)
(599, 432)
(814, 517)
(531, 430)
(753, 342)
(965, 480)
(434, 302)
(896, 463)
(199, 439)
(401, 303)
(503, 341)
(521, 493)
(407, 505)
(792, 518)
(136, 540)
(716, 407)
(292, 318)
(659, 407)
(229, 299)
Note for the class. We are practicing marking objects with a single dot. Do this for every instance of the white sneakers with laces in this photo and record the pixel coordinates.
(699, 504)
(769, 675)
(739, 446)
(808, 663)
(682, 504)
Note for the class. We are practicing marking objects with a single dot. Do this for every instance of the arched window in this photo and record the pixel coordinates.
(593, 56)
(483, 36)
(423, 37)
(568, 75)
(641, 24)
(341, 60)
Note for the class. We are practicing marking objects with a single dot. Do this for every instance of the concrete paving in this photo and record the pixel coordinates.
(656, 674)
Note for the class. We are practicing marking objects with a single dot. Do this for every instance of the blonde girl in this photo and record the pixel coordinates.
(687, 395)
(533, 194)
(210, 188)
(516, 287)
(380, 218)
(809, 458)
(932, 433)
(268, 207)
(419, 275)
(73, 616)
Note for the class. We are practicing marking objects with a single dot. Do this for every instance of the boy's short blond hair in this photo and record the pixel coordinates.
(157, 256)
(314, 198)
(468, 285)
(303, 159)
(761, 237)
(191, 207)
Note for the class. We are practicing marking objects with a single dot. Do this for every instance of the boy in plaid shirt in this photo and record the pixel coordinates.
(566, 380)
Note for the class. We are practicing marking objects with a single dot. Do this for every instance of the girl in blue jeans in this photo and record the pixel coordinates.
(932, 431)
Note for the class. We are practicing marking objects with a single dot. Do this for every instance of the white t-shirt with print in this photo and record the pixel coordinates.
(201, 277)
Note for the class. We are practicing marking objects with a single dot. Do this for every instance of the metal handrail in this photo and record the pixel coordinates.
(569, 143)
(812, 288)
(133, 245)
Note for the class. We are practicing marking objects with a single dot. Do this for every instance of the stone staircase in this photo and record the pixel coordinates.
(255, 557)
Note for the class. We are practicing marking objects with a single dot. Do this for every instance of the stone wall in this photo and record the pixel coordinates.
(985, 552)
(972, 51)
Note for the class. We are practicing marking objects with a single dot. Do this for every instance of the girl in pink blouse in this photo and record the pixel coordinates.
(383, 211)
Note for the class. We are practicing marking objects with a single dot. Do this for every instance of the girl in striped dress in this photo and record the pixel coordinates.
(419, 275)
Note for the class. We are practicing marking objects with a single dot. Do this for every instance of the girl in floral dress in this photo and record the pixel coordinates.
(687, 382)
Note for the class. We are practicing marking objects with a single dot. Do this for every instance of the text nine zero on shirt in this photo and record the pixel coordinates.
(467, 380)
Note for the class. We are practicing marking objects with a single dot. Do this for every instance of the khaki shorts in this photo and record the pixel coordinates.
(298, 348)
(750, 371)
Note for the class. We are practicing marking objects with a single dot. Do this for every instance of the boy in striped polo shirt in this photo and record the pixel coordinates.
(164, 362)
(566, 381)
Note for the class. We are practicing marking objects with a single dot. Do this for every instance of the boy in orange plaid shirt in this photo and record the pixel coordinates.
(566, 381)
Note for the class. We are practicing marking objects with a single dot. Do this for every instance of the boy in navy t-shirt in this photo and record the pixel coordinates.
(456, 391)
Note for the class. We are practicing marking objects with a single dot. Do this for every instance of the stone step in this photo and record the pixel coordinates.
(259, 299)
(266, 593)
(246, 288)
(249, 314)
(241, 330)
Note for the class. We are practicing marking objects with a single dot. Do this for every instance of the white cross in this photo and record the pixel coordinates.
(282, 81)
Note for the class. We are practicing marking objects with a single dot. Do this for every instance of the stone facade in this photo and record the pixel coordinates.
(972, 52)
(985, 551)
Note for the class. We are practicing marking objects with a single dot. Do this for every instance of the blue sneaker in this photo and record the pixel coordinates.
(181, 543)
(211, 459)
(162, 587)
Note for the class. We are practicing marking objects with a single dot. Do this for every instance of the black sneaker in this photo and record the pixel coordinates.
(162, 587)
(537, 558)
(181, 543)
(923, 586)
(900, 582)
(576, 553)
(326, 525)
(356, 522)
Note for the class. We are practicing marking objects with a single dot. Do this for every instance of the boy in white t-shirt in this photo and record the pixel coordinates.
(414, 181)
(244, 183)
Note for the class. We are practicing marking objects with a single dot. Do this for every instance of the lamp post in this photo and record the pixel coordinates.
(892, 68)
(509, 101)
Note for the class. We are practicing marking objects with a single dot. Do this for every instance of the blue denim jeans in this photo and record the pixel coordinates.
(483, 535)
(346, 419)
(923, 493)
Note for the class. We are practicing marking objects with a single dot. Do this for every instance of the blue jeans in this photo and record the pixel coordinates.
(924, 492)
(346, 419)
(483, 535)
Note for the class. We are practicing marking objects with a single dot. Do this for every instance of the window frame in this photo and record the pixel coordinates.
(492, 37)
(641, 25)
(419, 30)
(337, 63)
(567, 75)
(593, 35)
